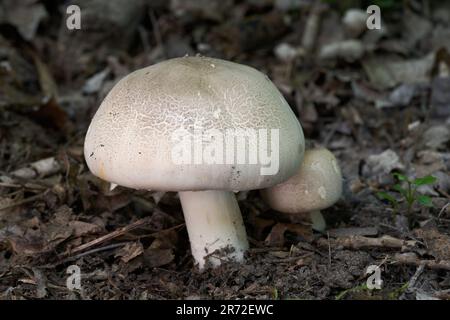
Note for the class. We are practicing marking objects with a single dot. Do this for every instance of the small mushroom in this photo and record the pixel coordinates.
(316, 186)
(130, 142)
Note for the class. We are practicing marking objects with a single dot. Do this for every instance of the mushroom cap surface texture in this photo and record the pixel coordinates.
(130, 141)
(316, 186)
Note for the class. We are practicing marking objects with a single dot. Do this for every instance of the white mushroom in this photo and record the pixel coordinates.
(136, 137)
(316, 186)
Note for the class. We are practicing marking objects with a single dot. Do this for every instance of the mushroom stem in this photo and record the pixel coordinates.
(318, 221)
(214, 222)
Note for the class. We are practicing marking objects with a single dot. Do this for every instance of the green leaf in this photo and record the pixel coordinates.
(425, 201)
(424, 180)
(275, 293)
(399, 176)
(400, 189)
(386, 196)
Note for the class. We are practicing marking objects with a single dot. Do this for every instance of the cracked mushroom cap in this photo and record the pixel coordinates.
(316, 186)
(131, 139)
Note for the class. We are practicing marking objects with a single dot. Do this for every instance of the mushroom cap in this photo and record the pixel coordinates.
(316, 186)
(130, 141)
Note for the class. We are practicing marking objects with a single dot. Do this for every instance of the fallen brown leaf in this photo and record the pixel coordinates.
(276, 237)
(437, 243)
(158, 257)
(130, 251)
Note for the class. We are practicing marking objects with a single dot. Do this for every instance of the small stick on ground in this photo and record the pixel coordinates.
(291, 259)
(86, 253)
(416, 276)
(412, 282)
(23, 201)
(312, 27)
(265, 250)
(411, 258)
(443, 209)
(360, 242)
(28, 186)
(156, 233)
(112, 235)
(443, 294)
(329, 249)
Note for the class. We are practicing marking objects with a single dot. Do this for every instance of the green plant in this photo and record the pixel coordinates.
(407, 188)
(360, 288)
(397, 292)
(275, 295)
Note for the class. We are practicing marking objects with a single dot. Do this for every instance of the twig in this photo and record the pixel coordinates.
(359, 242)
(442, 192)
(104, 248)
(442, 294)
(329, 249)
(153, 234)
(411, 258)
(312, 27)
(443, 209)
(112, 235)
(49, 285)
(415, 277)
(24, 186)
(290, 259)
(157, 31)
(10, 185)
(144, 39)
(23, 201)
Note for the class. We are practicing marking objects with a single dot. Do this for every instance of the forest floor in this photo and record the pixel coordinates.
(378, 99)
